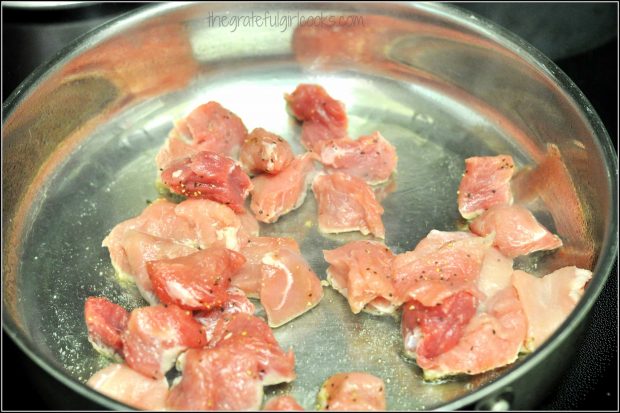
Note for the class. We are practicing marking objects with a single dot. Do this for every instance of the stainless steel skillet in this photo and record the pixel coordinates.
(79, 138)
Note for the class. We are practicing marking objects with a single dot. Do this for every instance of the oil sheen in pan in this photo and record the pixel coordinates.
(110, 177)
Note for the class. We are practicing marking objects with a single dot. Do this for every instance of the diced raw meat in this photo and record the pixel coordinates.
(346, 203)
(156, 335)
(485, 183)
(548, 301)
(283, 403)
(492, 339)
(441, 265)
(352, 392)
(495, 274)
(233, 326)
(371, 158)
(276, 195)
(220, 378)
(195, 282)
(208, 127)
(361, 271)
(440, 327)
(140, 248)
(236, 302)
(249, 225)
(517, 232)
(316, 134)
(125, 385)
(157, 219)
(178, 145)
(263, 151)
(248, 278)
(211, 124)
(105, 322)
(324, 117)
(166, 230)
(289, 287)
(252, 336)
(211, 176)
(214, 224)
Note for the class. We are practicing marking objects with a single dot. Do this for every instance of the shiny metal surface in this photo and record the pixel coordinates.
(80, 137)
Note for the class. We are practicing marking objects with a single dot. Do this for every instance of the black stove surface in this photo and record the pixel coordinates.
(591, 382)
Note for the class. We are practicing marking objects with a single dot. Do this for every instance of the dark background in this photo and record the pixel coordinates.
(582, 40)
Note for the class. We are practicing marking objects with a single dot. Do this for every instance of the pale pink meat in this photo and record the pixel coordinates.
(209, 127)
(354, 391)
(323, 117)
(236, 302)
(127, 386)
(371, 158)
(346, 203)
(105, 322)
(139, 248)
(156, 335)
(289, 286)
(548, 300)
(157, 219)
(485, 183)
(221, 378)
(248, 278)
(208, 175)
(198, 281)
(265, 152)
(276, 195)
(252, 336)
(441, 265)
(517, 232)
(491, 339)
(361, 271)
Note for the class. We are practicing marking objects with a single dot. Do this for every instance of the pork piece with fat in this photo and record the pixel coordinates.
(208, 175)
(353, 391)
(120, 382)
(141, 248)
(283, 403)
(209, 127)
(242, 357)
(517, 232)
(361, 271)
(346, 203)
(289, 286)
(371, 158)
(251, 335)
(323, 117)
(548, 300)
(195, 282)
(105, 322)
(156, 335)
(435, 329)
(215, 224)
(485, 183)
(432, 330)
(249, 276)
(265, 152)
(276, 195)
(221, 378)
(441, 265)
(165, 230)
(157, 219)
(236, 302)
(491, 339)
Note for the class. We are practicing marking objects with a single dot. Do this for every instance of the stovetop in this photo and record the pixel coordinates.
(591, 382)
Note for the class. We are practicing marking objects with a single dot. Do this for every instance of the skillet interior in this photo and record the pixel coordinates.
(440, 85)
